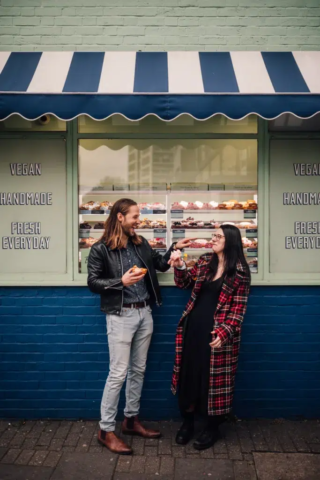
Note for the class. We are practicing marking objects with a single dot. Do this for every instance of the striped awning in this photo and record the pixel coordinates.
(166, 84)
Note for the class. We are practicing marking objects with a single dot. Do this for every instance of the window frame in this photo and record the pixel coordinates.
(166, 279)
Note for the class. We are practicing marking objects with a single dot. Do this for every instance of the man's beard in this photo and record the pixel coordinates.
(127, 231)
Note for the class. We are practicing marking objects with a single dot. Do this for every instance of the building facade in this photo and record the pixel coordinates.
(53, 342)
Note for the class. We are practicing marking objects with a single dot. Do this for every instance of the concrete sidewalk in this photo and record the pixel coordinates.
(249, 450)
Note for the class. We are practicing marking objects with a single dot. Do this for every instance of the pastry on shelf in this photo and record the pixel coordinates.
(157, 206)
(106, 205)
(201, 243)
(210, 205)
(159, 224)
(147, 223)
(222, 206)
(229, 204)
(176, 224)
(151, 206)
(143, 206)
(179, 205)
(84, 206)
(249, 243)
(190, 222)
(85, 226)
(194, 206)
(157, 243)
(246, 225)
(249, 205)
(253, 262)
(90, 206)
(87, 242)
(99, 226)
(237, 206)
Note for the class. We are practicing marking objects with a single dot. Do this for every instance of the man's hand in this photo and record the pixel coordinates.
(130, 278)
(185, 242)
(216, 342)
(175, 259)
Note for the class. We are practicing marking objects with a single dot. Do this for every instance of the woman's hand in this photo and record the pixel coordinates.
(216, 342)
(130, 278)
(175, 259)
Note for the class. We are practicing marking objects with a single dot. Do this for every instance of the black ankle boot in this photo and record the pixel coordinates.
(209, 435)
(185, 432)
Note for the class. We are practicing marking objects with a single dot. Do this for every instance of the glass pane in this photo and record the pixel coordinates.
(183, 124)
(290, 123)
(46, 123)
(180, 185)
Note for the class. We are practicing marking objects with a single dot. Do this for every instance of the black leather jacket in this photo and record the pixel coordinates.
(105, 271)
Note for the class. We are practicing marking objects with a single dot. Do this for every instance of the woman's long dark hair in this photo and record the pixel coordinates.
(233, 254)
(112, 234)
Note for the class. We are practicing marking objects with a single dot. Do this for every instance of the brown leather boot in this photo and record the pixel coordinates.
(132, 426)
(113, 443)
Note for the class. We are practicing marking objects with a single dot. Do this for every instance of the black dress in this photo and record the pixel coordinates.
(195, 366)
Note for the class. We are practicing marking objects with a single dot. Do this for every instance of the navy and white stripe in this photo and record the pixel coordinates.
(180, 76)
(160, 72)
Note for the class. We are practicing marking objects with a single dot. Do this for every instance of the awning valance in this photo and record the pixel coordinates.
(166, 84)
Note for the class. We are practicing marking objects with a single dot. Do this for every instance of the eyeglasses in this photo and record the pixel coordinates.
(217, 236)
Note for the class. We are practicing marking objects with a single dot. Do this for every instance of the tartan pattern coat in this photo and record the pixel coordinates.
(227, 322)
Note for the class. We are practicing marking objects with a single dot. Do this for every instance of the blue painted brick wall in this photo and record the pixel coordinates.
(54, 355)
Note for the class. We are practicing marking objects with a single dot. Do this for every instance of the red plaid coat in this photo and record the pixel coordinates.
(226, 323)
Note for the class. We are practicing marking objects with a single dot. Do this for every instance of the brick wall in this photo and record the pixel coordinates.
(54, 355)
(153, 25)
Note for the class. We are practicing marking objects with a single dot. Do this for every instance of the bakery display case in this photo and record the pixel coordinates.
(168, 215)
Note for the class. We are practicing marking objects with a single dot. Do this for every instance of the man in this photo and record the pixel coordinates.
(126, 298)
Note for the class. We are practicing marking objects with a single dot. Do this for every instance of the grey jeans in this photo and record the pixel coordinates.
(129, 337)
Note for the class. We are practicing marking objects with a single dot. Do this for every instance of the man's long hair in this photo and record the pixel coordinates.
(113, 236)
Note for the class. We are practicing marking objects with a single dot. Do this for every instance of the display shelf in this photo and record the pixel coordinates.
(204, 250)
(86, 192)
(107, 213)
(170, 212)
(140, 230)
(214, 210)
(185, 230)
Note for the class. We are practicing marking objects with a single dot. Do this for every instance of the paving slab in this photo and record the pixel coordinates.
(3, 451)
(142, 476)
(287, 466)
(81, 467)
(187, 469)
(19, 472)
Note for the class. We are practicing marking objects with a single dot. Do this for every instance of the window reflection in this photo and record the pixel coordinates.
(108, 162)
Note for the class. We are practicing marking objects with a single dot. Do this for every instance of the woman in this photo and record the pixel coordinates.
(208, 334)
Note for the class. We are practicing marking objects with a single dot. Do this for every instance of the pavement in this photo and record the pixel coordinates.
(248, 450)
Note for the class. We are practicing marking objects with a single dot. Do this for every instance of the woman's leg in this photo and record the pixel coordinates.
(185, 432)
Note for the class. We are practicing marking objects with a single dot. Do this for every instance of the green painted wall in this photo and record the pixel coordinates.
(159, 25)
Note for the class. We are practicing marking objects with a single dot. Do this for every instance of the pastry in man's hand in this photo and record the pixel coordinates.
(138, 270)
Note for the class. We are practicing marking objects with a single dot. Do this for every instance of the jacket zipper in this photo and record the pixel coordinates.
(121, 277)
(149, 276)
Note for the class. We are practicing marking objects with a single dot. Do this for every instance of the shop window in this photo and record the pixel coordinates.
(291, 123)
(185, 188)
(46, 123)
(182, 124)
